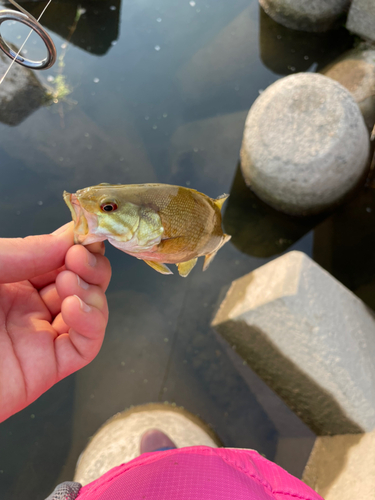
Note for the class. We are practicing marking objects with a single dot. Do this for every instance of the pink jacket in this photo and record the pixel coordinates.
(198, 473)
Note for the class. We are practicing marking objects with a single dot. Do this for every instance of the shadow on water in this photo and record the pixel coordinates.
(98, 26)
(286, 51)
(344, 245)
(256, 228)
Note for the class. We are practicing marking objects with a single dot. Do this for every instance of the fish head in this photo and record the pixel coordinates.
(100, 213)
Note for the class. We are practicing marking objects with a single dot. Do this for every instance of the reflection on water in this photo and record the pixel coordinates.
(166, 103)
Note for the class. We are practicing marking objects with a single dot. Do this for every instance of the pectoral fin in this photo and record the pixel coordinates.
(184, 268)
(210, 256)
(158, 266)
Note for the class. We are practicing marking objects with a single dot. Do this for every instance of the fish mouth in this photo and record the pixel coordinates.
(81, 227)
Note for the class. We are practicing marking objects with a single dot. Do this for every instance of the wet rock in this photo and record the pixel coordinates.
(355, 70)
(361, 18)
(306, 15)
(21, 93)
(342, 467)
(309, 338)
(285, 51)
(305, 145)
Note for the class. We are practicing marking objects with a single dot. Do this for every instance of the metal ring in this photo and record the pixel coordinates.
(12, 15)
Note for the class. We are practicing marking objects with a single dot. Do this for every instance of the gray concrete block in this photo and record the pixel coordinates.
(309, 338)
(361, 18)
(355, 70)
(342, 467)
(21, 93)
(305, 144)
(306, 15)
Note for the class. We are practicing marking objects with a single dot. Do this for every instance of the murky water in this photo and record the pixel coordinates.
(159, 91)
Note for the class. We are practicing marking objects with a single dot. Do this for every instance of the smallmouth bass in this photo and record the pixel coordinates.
(158, 223)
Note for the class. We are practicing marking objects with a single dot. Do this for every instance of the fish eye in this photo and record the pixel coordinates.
(110, 206)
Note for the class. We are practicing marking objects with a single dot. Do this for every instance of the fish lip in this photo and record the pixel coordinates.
(81, 229)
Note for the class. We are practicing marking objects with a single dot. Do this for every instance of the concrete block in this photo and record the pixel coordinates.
(21, 93)
(309, 338)
(343, 467)
(305, 144)
(306, 15)
(361, 18)
(355, 70)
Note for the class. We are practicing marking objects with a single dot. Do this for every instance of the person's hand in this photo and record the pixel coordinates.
(53, 313)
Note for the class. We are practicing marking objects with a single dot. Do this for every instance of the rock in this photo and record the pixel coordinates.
(309, 338)
(306, 15)
(361, 18)
(118, 440)
(21, 93)
(355, 70)
(305, 145)
(285, 51)
(342, 467)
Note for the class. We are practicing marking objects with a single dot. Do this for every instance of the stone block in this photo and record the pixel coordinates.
(309, 338)
(361, 18)
(355, 70)
(306, 15)
(342, 467)
(21, 93)
(305, 145)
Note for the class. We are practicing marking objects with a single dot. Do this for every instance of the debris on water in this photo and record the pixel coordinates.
(32, 415)
(18, 212)
(122, 363)
(122, 158)
(166, 339)
(50, 78)
(369, 209)
(145, 381)
(165, 115)
(158, 20)
(113, 7)
(113, 43)
(40, 203)
(96, 80)
(64, 45)
(147, 118)
(198, 10)
(195, 150)
(192, 3)
(306, 58)
(154, 127)
(86, 134)
(260, 91)
(157, 47)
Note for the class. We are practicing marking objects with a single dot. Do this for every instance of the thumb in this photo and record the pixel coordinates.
(24, 258)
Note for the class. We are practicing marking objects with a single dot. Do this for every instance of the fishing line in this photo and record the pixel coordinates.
(29, 20)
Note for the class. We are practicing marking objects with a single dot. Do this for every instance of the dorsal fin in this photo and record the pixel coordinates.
(220, 201)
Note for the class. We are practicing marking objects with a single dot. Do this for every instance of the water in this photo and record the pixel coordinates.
(158, 92)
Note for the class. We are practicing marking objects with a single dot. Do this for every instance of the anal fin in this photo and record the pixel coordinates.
(158, 266)
(184, 268)
(210, 256)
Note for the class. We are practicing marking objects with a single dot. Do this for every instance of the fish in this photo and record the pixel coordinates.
(157, 223)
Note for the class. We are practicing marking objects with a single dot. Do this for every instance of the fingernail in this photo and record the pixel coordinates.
(61, 229)
(82, 283)
(83, 305)
(91, 259)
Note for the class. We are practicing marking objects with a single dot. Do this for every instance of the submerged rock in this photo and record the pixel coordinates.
(306, 15)
(21, 93)
(355, 70)
(305, 144)
(361, 18)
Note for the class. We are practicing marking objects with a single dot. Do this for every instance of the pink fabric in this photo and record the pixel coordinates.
(198, 473)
